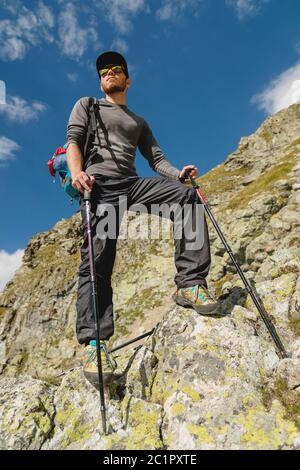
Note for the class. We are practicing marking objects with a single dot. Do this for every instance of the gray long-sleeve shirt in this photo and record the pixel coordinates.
(111, 149)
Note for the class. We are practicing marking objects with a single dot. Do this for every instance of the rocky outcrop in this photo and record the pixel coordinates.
(196, 383)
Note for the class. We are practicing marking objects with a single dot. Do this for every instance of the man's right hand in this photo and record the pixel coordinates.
(83, 182)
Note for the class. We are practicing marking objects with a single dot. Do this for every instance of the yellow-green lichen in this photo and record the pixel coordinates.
(66, 415)
(204, 343)
(113, 441)
(235, 373)
(51, 379)
(38, 411)
(201, 433)
(81, 432)
(222, 430)
(284, 287)
(248, 400)
(261, 433)
(69, 419)
(168, 441)
(144, 424)
(193, 394)
(178, 409)
(163, 388)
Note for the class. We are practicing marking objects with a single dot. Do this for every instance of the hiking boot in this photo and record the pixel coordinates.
(199, 298)
(90, 368)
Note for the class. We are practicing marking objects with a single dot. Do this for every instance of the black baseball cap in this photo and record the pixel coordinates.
(111, 57)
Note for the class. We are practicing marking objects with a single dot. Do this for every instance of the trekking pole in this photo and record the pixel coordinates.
(132, 341)
(263, 314)
(87, 200)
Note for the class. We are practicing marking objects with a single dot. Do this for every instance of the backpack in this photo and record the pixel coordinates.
(58, 162)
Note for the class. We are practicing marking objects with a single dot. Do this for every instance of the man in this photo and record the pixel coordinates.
(105, 166)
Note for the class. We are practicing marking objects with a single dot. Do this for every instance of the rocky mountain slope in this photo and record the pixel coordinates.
(197, 382)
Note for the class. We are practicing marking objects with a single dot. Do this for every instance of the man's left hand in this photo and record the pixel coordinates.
(188, 170)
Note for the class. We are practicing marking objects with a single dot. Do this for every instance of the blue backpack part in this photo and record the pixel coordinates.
(59, 164)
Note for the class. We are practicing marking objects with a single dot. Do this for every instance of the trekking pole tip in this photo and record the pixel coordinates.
(285, 355)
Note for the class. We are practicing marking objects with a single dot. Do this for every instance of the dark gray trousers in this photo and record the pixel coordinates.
(192, 264)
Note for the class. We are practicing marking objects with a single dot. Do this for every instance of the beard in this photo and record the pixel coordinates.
(113, 87)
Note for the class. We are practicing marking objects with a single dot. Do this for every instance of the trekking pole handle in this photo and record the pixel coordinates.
(87, 195)
(192, 180)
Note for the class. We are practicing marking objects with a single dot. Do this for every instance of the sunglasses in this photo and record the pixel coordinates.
(114, 68)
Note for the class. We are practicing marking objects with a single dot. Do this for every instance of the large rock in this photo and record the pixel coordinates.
(26, 413)
(198, 383)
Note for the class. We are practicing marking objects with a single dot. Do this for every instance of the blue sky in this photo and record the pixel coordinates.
(205, 73)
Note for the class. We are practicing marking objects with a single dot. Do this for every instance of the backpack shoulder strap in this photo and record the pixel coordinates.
(92, 104)
(91, 122)
(98, 116)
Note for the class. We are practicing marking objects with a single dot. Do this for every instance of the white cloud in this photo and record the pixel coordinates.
(27, 29)
(2, 92)
(7, 149)
(76, 27)
(119, 45)
(13, 48)
(73, 77)
(120, 13)
(17, 109)
(281, 92)
(167, 11)
(45, 13)
(172, 9)
(73, 38)
(245, 8)
(9, 263)
(11, 7)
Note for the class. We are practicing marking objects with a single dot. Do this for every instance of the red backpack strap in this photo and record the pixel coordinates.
(50, 167)
(59, 151)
